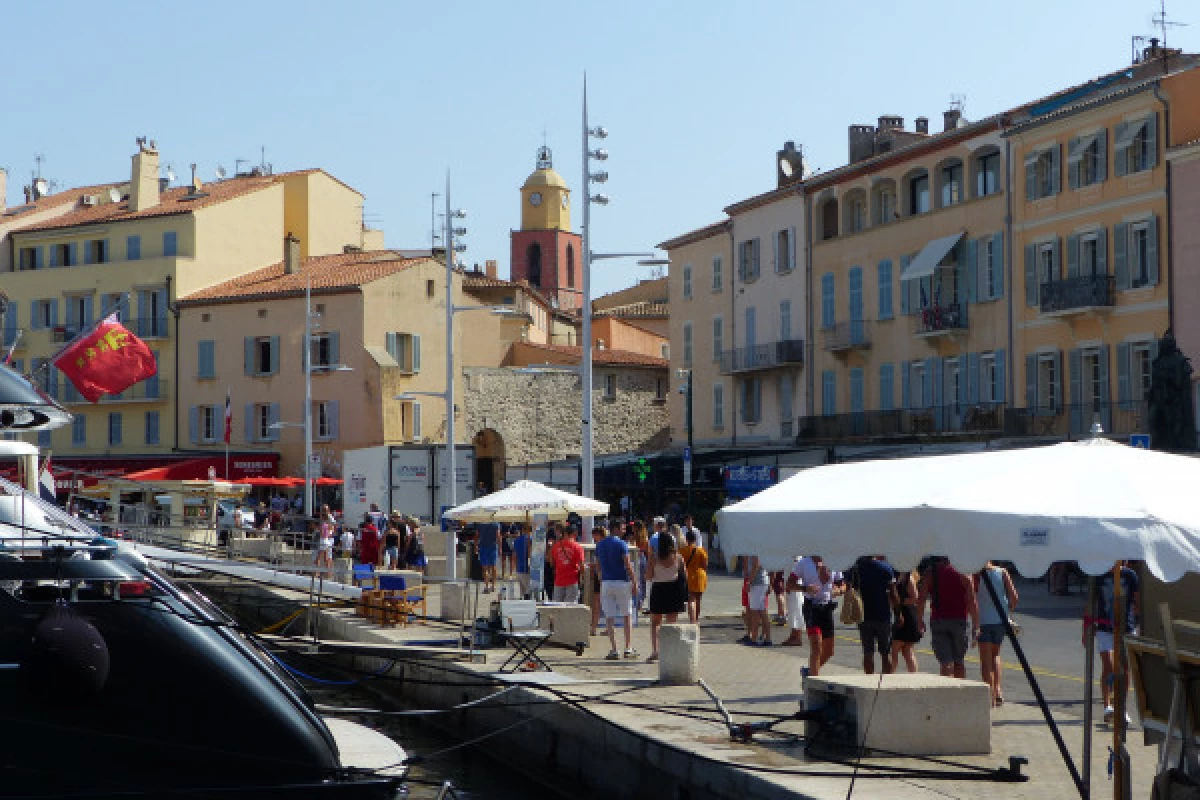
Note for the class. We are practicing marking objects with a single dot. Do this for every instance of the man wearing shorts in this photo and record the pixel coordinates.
(1102, 617)
(489, 554)
(876, 582)
(567, 556)
(522, 546)
(953, 598)
(616, 589)
(820, 586)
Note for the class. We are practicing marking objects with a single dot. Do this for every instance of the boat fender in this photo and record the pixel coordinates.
(68, 658)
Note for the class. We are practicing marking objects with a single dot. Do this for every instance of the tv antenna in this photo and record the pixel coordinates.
(958, 102)
(38, 158)
(1161, 21)
(221, 173)
(433, 226)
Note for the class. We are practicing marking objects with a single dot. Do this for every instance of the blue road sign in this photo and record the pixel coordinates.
(687, 454)
(1141, 440)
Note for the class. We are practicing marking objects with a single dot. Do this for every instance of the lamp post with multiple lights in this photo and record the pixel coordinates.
(452, 477)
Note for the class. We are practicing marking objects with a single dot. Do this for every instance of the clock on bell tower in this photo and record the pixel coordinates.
(544, 251)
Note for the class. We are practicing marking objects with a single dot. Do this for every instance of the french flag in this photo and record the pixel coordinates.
(46, 488)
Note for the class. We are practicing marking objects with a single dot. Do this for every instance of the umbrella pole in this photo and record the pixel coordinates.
(1122, 789)
(1089, 678)
(1037, 692)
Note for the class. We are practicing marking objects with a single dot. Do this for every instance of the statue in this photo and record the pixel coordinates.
(1172, 416)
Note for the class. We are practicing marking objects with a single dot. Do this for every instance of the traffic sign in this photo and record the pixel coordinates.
(1141, 440)
(687, 454)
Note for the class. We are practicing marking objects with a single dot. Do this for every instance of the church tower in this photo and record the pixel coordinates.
(544, 251)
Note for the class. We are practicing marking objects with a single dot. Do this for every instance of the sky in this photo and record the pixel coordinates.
(389, 96)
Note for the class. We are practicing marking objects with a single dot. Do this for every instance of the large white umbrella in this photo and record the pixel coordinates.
(522, 499)
(1092, 502)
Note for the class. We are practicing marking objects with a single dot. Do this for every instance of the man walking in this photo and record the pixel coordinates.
(877, 584)
(953, 598)
(489, 554)
(568, 563)
(616, 589)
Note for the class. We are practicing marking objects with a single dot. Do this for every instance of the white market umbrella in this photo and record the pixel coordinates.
(522, 499)
(1092, 502)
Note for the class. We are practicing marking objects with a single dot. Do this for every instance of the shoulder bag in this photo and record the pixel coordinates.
(852, 604)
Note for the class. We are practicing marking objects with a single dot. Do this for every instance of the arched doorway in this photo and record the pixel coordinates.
(489, 460)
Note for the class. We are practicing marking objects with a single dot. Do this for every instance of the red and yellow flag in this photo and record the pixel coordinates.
(108, 360)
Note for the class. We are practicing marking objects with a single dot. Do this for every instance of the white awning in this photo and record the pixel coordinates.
(930, 257)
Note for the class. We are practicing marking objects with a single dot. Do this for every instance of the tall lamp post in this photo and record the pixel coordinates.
(452, 478)
(585, 453)
(686, 390)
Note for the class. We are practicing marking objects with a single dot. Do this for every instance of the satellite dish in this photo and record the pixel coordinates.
(170, 174)
(220, 172)
(40, 186)
(114, 195)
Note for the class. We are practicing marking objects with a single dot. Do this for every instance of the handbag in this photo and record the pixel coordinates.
(681, 584)
(852, 605)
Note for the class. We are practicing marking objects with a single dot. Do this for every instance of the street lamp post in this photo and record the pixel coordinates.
(585, 452)
(452, 476)
(686, 391)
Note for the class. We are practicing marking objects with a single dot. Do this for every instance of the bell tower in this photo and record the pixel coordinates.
(544, 251)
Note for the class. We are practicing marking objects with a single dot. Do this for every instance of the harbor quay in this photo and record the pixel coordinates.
(594, 727)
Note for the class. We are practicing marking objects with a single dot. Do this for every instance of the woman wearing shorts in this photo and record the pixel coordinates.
(991, 623)
(757, 590)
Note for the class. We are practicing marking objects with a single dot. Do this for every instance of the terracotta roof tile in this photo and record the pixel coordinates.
(626, 358)
(640, 310)
(474, 280)
(55, 200)
(328, 274)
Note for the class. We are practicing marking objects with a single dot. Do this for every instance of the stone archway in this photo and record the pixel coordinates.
(489, 460)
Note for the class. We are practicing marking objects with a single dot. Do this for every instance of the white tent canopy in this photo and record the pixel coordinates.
(1092, 502)
(522, 499)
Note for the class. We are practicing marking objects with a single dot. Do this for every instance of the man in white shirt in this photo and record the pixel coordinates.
(819, 586)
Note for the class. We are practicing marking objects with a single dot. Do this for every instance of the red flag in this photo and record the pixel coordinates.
(228, 416)
(108, 360)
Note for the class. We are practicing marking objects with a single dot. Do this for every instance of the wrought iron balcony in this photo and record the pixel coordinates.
(940, 321)
(1077, 294)
(762, 356)
(851, 335)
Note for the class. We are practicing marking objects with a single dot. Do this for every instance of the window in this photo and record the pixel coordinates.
(718, 337)
(1141, 359)
(887, 387)
(152, 312)
(610, 386)
(827, 300)
(262, 430)
(717, 277)
(857, 400)
(324, 352)
(114, 428)
(918, 397)
(687, 281)
(1047, 263)
(115, 301)
(44, 439)
(1047, 392)
(1086, 160)
(951, 183)
(170, 243)
(406, 349)
(660, 390)
(29, 258)
(1089, 255)
(265, 359)
(748, 252)
(1139, 254)
(687, 344)
(64, 255)
(887, 205)
(533, 257)
(152, 425)
(325, 419)
(414, 419)
(45, 314)
(918, 193)
(752, 401)
(829, 219)
(79, 431)
(1042, 174)
(987, 379)
(79, 312)
(785, 320)
(430, 288)
(664, 350)
(133, 248)
(570, 267)
(828, 392)
(95, 251)
(885, 289)
(718, 405)
(857, 217)
(206, 359)
(785, 250)
(208, 423)
(987, 174)
(1136, 146)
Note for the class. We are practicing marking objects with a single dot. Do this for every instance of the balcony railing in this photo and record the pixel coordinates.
(1077, 294)
(763, 356)
(988, 419)
(849, 335)
(144, 392)
(941, 320)
(148, 327)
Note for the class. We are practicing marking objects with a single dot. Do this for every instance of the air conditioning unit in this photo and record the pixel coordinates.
(90, 199)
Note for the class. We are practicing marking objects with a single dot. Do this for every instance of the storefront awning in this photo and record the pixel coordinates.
(930, 257)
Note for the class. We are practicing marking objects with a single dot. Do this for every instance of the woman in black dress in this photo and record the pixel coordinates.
(906, 630)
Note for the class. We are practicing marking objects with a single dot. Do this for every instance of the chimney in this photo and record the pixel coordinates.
(952, 119)
(489, 267)
(291, 254)
(891, 122)
(861, 142)
(143, 188)
(3, 189)
(922, 125)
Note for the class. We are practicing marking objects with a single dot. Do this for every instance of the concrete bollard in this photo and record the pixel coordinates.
(343, 570)
(678, 653)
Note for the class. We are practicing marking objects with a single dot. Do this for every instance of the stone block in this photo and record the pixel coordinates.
(919, 715)
(571, 622)
(678, 653)
(435, 566)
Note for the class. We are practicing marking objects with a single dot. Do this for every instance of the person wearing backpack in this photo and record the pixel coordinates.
(876, 582)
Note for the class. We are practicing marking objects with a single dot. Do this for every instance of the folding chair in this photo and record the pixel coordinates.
(361, 576)
(523, 634)
(397, 601)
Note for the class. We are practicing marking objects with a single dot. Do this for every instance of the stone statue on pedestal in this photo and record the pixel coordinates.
(1172, 415)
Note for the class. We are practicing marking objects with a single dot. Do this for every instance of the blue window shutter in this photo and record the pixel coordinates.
(152, 427)
(1072, 256)
(857, 401)
(1102, 156)
(792, 247)
(1031, 275)
(151, 383)
(1102, 251)
(1075, 366)
(249, 343)
(1031, 192)
(1152, 250)
(390, 344)
(275, 354)
(52, 381)
(1124, 394)
(997, 265)
(905, 297)
(905, 384)
(1105, 391)
(1121, 154)
(335, 348)
(1000, 388)
(54, 311)
(1152, 139)
(170, 243)
(416, 353)
(133, 248)
(249, 423)
(331, 412)
(1031, 381)
(194, 424)
(88, 307)
(54, 256)
(272, 419)
(35, 322)
(972, 378)
(160, 321)
(10, 324)
(972, 270)
(1120, 250)
(1056, 169)
(855, 295)
(1058, 377)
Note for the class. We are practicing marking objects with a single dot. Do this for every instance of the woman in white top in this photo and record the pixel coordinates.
(668, 594)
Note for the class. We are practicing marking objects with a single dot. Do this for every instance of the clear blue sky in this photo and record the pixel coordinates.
(387, 96)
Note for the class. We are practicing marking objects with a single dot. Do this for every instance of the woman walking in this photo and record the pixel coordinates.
(642, 541)
(391, 545)
(906, 631)
(695, 561)
(325, 540)
(668, 587)
(991, 623)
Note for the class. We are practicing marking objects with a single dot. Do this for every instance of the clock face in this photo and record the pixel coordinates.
(535, 199)
(566, 201)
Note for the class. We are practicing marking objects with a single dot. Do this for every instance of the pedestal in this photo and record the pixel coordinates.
(678, 653)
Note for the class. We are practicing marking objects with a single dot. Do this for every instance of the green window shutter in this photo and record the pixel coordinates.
(1031, 191)
(973, 293)
(1121, 151)
(249, 346)
(1031, 381)
(1073, 256)
(194, 424)
(274, 368)
(1031, 276)
(1124, 395)
(1120, 257)
(1102, 251)
(1101, 156)
(416, 353)
(1075, 363)
(1152, 250)
(248, 423)
(1152, 139)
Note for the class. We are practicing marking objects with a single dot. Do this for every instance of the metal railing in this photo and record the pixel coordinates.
(941, 319)
(762, 356)
(1077, 293)
(148, 327)
(848, 335)
(152, 391)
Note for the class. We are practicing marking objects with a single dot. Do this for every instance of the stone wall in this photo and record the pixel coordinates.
(538, 415)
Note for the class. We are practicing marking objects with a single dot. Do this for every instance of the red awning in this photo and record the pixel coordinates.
(328, 481)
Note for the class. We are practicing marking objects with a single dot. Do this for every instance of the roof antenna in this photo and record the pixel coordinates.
(1160, 20)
